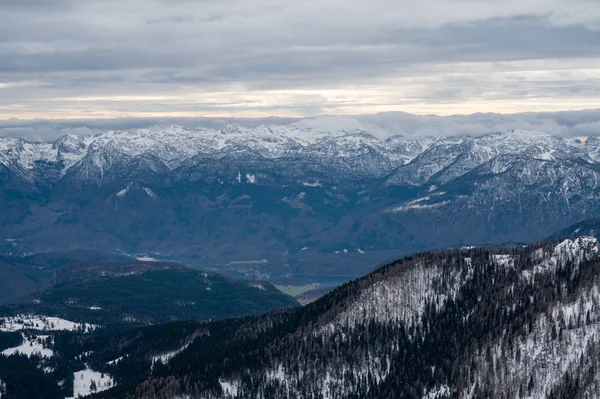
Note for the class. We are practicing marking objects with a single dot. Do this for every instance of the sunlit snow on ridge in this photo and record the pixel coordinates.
(42, 323)
(31, 346)
(82, 382)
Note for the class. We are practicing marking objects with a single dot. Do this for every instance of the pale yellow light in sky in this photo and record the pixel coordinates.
(447, 89)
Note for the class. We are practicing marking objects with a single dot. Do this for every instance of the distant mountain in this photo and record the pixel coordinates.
(478, 323)
(587, 227)
(317, 198)
(128, 292)
(17, 281)
(23, 275)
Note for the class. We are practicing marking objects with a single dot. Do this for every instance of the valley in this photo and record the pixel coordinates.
(295, 203)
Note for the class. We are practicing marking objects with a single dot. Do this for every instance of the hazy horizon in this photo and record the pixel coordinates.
(563, 123)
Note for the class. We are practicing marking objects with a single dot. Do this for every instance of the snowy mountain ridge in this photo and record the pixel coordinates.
(409, 294)
(174, 145)
(438, 325)
(402, 297)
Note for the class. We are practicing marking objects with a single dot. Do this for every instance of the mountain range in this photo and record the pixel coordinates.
(320, 199)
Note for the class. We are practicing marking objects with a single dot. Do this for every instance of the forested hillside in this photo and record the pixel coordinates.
(479, 323)
(142, 293)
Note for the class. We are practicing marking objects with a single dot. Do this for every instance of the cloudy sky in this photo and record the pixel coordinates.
(254, 58)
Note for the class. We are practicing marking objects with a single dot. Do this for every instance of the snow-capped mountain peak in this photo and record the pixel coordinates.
(329, 140)
(173, 145)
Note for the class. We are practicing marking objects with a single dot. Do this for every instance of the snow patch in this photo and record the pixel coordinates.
(149, 192)
(123, 192)
(116, 361)
(441, 392)
(85, 380)
(165, 357)
(230, 388)
(43, 323)
(547, 155)
(504, 260)
(147, 259)
(313, 184)
(417, 205)
(32, 346)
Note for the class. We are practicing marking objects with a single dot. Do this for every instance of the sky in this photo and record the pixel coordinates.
(70, 59)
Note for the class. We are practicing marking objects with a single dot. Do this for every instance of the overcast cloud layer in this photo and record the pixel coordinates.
(158, 58)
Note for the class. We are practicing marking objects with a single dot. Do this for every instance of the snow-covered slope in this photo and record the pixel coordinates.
(450, 158)
(402, 297)
(87, 382)
(31, 346)
(42, 323)
(409, 294)
(520, 322)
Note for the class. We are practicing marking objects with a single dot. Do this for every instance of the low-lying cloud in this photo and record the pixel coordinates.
(573, 123)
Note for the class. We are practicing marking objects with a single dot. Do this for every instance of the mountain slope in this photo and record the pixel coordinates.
(478, 323)
(114, 290)
(587, 227)
(21, 276)
(17, 281)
